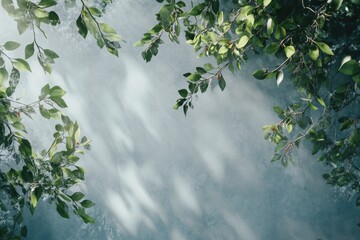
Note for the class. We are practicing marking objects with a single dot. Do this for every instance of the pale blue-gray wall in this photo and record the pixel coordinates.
(156, 174)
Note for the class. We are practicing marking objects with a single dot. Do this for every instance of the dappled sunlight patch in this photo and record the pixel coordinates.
(133, 205)
(240, 226)
(185, 197)
(136, 94)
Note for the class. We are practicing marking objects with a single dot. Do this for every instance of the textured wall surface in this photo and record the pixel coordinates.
(156, 174)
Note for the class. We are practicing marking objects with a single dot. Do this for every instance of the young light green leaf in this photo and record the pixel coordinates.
(220, 18)
(270, 26)
(266, 3)
(279, 77)
(223, 50)
(312, 106)
(33, 199)
(324, 48)
(289, 127)
(321, 101)
(208, 66)
(289, 51)
(194, 77)
(94, 11)
(40, 13)
(21, 64)
(19, 126)
(106, 28)
(139, 43)
(314, 52)
(242, 42)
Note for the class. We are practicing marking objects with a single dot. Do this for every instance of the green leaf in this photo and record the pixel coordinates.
(195, 11)
(242, 42)
(62, 209)
(223, 49)
(314, 52)
(347, 124)
(47, 3)
(220, 17)
(24, 231)
(266, 3)
(260, 74)
(289, 127)
(33, 199)
(312, 106)
(44, 112)
(194, 76)
(69, 143)
(321, 101)
(350, 67)
(278, 110)
(82, 29)
(54, 18)
(222, 83)
(90, 24)
(25, 148)
(289, 51)
(183, 93)
(324, 48)
(59, 101)
(51, 54)
(45, 90)
(29, 50)
(95, 12)
(86, 218)
(56, 92)
(272, 48)
(114, 37)
(40, 13)
(356, 78)
(355, 137)
(77, 196)
(21, 64)
(22, 25)
(87, 203)
(19, 126)
(106, 28)
(208, 67)
(3, 75)
(139, 43)
(11, 45)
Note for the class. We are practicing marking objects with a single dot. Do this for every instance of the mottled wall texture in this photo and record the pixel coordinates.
(156, 174)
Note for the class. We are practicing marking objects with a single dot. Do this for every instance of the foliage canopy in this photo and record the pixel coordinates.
(314, 44)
